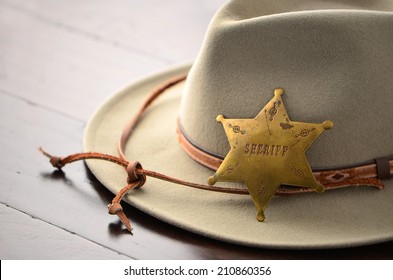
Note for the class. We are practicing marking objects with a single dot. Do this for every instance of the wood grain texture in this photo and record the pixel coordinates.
(58, 61)
(171, 31)
(59, 68)
(25, 236)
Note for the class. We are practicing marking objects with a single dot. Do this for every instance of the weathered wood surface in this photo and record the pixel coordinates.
(58, 61)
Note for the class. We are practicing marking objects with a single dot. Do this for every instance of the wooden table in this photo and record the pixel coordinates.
(58, 61)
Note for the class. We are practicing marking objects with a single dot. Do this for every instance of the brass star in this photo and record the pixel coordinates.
(268, 151)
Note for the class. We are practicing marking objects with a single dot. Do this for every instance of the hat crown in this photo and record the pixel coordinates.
(333, 64)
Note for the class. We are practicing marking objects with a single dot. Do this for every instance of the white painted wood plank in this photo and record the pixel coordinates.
(23, 237)
(171, 29)
(57, 68)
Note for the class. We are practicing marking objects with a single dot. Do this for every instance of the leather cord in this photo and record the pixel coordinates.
(136, 174)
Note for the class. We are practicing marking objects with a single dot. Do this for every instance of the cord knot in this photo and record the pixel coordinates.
(56, 162)
(115, 209)
(134, 175)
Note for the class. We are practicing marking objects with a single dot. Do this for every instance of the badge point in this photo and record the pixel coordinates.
(278, 92)
(327, 125)
(260, 216)
(212, 180)
(220, 118)
(320, 188)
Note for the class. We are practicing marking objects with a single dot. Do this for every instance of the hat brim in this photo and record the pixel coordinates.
(340, 218)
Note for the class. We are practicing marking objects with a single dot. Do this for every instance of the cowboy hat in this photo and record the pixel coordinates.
(332, 61)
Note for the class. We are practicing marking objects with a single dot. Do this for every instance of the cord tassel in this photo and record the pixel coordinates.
(134, 179)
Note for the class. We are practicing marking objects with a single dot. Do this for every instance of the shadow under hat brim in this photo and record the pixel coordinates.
(340, 218)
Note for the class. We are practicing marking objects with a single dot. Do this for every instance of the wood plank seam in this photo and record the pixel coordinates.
(64, 229)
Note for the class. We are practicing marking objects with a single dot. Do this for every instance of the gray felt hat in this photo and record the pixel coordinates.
(334, 60)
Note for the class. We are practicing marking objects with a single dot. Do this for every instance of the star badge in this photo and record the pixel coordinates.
(268, 151)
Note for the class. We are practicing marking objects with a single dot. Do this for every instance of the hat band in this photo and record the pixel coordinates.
(331, 178)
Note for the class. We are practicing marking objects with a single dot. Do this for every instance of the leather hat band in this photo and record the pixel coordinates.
(367, 173)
